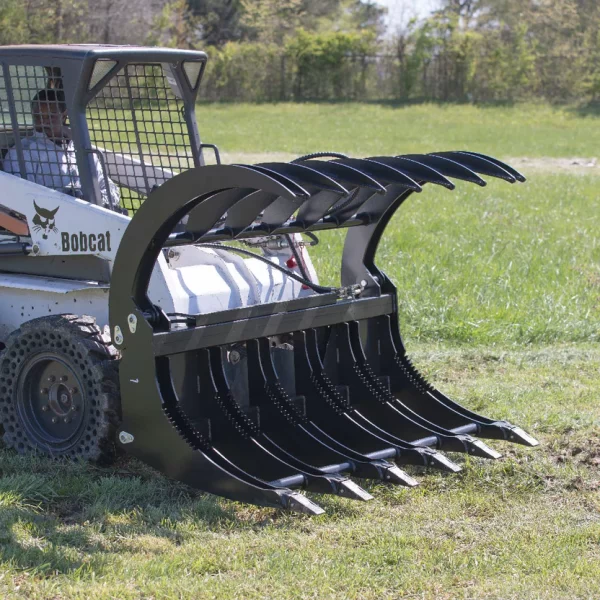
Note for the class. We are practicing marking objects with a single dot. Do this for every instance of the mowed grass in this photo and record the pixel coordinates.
(504, 264)
(526, 526)
(531, 130)
(499, 292)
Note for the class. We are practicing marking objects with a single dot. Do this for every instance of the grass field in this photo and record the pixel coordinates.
(529, 130)
(499, 291)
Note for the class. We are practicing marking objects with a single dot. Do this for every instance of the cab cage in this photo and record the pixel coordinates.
(130, 110)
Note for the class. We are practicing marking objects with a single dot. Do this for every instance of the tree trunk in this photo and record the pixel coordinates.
(58, 28)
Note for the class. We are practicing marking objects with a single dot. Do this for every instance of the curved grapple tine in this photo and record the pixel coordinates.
(418, 171)
(449, 168)
(384, 173)
(247, 211)
(319, 206)
(277, 214)
(241, 215)
(306, 176)
(479, 165)
(325, 190)
(518, 176)
(290, 182)
(347, 175)
(213, 210)
(347, 208)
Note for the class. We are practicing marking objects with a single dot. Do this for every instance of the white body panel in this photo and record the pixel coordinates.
(186, 279)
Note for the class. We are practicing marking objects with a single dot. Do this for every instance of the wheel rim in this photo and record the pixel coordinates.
(50, 402)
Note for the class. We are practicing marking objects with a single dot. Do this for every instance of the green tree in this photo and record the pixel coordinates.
(219, 20)
(13, 25)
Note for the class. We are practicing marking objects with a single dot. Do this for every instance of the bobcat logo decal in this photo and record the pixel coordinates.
(44, 220)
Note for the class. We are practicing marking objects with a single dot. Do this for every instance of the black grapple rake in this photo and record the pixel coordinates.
(352, 404)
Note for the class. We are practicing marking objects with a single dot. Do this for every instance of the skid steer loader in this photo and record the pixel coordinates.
(181, 318)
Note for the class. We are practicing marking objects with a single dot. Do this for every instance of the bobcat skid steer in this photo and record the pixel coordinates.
(179, 317)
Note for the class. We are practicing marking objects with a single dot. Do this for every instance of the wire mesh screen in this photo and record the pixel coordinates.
(35, 139)
(137, 121)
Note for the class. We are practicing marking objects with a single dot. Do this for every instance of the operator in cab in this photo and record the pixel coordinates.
(49, 153)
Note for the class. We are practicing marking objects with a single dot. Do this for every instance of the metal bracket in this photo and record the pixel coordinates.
(125, 438)
(132, 322)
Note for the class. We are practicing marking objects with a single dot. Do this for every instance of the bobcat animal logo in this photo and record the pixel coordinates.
(44, 220)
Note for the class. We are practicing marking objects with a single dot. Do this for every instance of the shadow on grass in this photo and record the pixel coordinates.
(59, 518)
(590, 109)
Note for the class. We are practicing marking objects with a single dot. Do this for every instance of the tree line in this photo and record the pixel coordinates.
(294, 50)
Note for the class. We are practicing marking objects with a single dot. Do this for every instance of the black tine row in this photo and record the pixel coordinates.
(330, 194)
(332, 415)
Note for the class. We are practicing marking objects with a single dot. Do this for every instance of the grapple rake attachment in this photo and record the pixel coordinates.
(329, 390)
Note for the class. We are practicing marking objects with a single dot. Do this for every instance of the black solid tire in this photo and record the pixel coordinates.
(79, 344)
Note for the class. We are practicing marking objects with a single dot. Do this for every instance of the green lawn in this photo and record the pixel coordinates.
(371, 129)
(504, 264)
(526, 526)
(499, 291)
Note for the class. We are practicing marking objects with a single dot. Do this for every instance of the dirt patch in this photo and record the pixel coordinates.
(573, 166)
(576, 447)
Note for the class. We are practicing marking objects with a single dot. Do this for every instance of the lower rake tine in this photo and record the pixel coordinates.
(246, 450)
(298, 476)
(296, 502)
(519, 436)
(310, 384)
(375, 405)
(262, 376)
(234, 436)
(447, 439)
(439, 461)
(193, 460)
(394, 354)
(375, 443)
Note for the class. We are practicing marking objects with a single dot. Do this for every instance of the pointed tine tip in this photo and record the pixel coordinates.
(519, 436)
(399, 477)
(478, 448)
(436, 460)
(301, 504)
(349, 489)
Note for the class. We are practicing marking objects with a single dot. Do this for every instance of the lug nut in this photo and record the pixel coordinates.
(44, 391)
(45, 408)
(63, 378)
(73, 391)
(51, 379)
(74, 408)
(67, 420)
(54, 420)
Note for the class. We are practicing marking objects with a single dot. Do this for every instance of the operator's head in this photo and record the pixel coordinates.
(50, 113)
